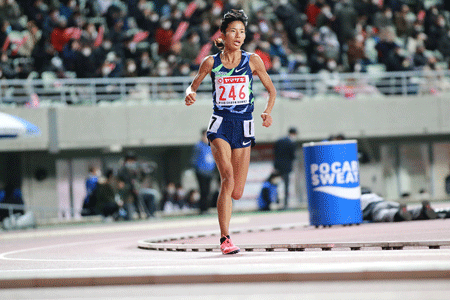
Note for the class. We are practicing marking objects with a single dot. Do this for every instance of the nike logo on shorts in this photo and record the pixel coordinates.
(246, 143)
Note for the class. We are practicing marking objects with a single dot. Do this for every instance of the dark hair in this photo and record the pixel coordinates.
(229, 17)
(292, 130)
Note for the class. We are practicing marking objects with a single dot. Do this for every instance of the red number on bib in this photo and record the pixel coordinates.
(221, 98)
(241, 93)
(232, 93)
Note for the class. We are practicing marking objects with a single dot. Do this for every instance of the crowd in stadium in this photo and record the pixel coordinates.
(113, 38)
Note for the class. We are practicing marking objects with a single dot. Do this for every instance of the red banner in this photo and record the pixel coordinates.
(179, 33)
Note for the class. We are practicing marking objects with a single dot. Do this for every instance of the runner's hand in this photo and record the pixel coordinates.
(190, 98)
(267, 119)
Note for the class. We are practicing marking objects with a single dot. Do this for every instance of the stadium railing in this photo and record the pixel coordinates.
(50, 90)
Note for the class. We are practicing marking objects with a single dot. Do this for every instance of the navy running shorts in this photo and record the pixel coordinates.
(239, 133)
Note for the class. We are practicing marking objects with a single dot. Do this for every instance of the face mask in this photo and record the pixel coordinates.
(216, 11)
(166, 25)
(87, 51)
(163, 72)
(196, 39)
(331, 65)
(196, 197)
(107, 45)
(276, 65)
(106, 70)
(154, 18)
(171, 190)
(185, 70)
(206, 27)
(131, 68)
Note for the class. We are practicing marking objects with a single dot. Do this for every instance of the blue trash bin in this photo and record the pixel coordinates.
(332, 182)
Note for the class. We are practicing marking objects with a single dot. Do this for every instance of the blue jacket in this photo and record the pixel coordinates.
(202, 159)
(269, 193)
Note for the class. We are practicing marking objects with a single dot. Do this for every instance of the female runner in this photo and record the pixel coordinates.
(231, 127)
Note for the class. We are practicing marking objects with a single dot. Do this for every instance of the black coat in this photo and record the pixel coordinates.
(284, 155)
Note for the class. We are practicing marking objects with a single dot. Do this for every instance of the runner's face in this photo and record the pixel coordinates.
(235, 35)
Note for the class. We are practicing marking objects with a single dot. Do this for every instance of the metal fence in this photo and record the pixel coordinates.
(50, 90)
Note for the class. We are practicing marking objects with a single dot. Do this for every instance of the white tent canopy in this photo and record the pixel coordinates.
(12, 127)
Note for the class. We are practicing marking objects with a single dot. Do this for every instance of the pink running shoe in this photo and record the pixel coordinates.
(228, 247)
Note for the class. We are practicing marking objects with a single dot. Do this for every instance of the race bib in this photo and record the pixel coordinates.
(249, 128)
(232, 90)
(214, 123)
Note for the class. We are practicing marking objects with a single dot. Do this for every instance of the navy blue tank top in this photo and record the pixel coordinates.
(232, 88)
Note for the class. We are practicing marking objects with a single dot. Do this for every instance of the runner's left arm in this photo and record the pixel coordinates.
(259, 69)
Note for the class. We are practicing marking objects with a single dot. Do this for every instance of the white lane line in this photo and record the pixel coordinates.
(241, 269)
(3, 255)
(115, 229)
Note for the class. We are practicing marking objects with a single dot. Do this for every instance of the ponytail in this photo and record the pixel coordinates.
(219, 43)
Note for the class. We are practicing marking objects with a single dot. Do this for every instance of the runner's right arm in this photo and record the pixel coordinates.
(205, 69)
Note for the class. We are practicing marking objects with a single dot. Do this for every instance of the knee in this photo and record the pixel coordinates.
(227, 181)
(237, 194)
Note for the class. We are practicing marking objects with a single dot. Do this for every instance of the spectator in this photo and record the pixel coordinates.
(419, 58)
(290, 18)
(346, 20)
(190, 47)
(284, 156)
(11, 195)
(384, 18)
(269, 192)
(386, 44)
(277, 49)
(192, 199)
(145, 64)
(59, 36)
(170, 201)
(91, 184)
(101, 53)
(10, 11)
(85, 62)
(29, 39)
(398, 60)
(130, 68)
(105, 197)
(204, 165)
(127, 182)
(404, 21)
(70, 54)
(436, 32)
(8, 70)
(356, 55)
(163, 36)
(112, 66)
